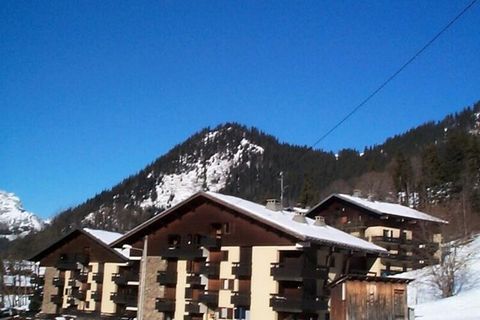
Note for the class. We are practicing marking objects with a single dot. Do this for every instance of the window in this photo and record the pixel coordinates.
(174, 240)
(189, 239)
(227, 228)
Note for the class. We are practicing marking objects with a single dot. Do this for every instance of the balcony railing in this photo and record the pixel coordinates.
(124, 278)
(242, 269)
(195, 280)
(165, 305)
(167, 277)
(81, 276)
(79, 294)
(297, 271)
(240, 299)
(128, 300)
(97, 277)
(393, 240)
(56, 299)
(96, 295)
(209, 298)
(71, 262)
(58, 282)
(296, 304)
(36, 279)
(188, 252)
(210, 269)
(192, 307)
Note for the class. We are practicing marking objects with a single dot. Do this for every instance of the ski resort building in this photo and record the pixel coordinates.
(84, 277)
(221, 257)
(411, 237)
(211, 256)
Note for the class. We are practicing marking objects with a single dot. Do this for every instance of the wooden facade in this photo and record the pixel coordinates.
(74, 277)
(369, 298)
(412, 243)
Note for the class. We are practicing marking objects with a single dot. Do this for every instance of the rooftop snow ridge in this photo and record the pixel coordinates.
(387, 208)
(106, 237)
(306, 228)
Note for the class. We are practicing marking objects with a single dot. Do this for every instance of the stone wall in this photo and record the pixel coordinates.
(153, 290)
(48, 307)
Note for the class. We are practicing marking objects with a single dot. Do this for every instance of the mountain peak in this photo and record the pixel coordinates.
(15, 221)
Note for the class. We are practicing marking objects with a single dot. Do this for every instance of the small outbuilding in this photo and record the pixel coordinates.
(363, 297)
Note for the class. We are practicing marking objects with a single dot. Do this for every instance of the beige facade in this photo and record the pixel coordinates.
(263, 284)
(108, 306)
(180, 289)
(225, 294)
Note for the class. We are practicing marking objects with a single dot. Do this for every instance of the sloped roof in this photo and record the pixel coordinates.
(72, 235)
(280, 220)
(383, 208)
(106, 237)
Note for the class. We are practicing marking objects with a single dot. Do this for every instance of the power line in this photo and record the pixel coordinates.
(391, 77)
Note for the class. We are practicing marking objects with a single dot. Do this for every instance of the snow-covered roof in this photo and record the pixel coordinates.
(308, 230)
(106, 237)
(282, 220)
(383, 208)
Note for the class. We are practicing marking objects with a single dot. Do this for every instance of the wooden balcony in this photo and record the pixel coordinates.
(188, 252)
(240, 299)
(297, 271)
(165, 305)
(96, 295)
(56, 299)
(297, 304)
(58, 282)
(242, 269)
(97, 277)
(195, 280)
(71, 262)
(79, 294)
(210, 269)
(123, 278)
(38, 280)
(81, 276)
(192, 307)
(167, 277)
(128, 300)
(210, 298)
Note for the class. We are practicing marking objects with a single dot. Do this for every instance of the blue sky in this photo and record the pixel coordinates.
(92, 91)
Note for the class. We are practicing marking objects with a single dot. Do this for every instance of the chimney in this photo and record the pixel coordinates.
(274, 205)
(357, 193)
(299, 217)
(320, 221)
(371, 196)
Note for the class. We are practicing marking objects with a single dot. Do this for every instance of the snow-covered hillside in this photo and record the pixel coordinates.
(15, 221)
(425, 298)
(194, 171)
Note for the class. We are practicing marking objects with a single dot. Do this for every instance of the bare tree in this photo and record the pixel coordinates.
(452, 274)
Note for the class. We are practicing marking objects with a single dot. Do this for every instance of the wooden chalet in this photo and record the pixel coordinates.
(412, 237)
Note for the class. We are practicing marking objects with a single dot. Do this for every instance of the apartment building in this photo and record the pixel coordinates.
(215, 256)
(84, 277)
(411, 237)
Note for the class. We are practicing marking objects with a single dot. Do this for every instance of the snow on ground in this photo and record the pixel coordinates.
(425, 298)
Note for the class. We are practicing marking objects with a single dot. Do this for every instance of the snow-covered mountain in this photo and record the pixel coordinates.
(15, 221)
(208, 165)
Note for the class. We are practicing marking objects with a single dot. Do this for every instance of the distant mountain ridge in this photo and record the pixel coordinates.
(15, 221)
(245, 162)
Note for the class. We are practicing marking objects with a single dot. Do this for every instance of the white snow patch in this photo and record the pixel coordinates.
(213, 172)
(106, 237)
